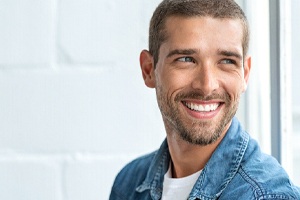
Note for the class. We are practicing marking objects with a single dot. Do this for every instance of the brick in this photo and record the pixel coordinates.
(28, 180)
(92, 31)
(89, 180)
(26, 32)
(78, 110)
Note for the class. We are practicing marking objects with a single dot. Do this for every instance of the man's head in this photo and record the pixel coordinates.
(190, 8)
(197, 66)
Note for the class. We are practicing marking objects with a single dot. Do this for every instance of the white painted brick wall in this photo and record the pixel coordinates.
(73, 105)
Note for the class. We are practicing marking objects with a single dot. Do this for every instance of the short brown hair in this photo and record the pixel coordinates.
(190, 8)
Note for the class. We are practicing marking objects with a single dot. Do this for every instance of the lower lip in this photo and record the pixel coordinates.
(202, 115)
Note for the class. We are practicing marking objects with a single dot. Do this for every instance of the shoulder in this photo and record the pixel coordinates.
(136, 169)
(262, 177)
(131, 176)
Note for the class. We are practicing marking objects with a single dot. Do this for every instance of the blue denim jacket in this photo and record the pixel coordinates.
(236, 170)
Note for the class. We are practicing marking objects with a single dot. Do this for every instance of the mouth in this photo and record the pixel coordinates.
(201, 107)
(202, 110)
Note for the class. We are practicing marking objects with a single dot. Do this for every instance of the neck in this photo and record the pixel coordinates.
(189, 158)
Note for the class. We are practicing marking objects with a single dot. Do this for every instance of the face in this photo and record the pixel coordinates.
(199, 77)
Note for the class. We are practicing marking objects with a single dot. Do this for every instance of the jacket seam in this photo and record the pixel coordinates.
(257, 190)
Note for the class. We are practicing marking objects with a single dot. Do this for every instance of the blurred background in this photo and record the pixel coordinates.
(74, 108)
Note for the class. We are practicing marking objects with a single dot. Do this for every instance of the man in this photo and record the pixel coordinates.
(198, 64)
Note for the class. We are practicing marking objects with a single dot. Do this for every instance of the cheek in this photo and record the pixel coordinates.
(173, 80)
(234, 85)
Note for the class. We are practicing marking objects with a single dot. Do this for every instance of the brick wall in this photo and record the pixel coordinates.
(73, 105)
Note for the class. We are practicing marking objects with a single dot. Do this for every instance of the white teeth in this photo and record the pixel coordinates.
(202, 108)
(207, 108)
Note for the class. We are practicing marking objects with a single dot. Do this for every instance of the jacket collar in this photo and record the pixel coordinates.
(156, 172)
(215, 176)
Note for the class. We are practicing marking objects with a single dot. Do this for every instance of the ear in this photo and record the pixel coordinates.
(247, 69)
(147, 67)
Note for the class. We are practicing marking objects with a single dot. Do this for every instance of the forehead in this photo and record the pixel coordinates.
(198, 32)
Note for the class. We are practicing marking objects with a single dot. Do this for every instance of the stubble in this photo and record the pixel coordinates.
(191, 130)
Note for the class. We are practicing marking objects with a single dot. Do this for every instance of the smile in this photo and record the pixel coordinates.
(202, 107)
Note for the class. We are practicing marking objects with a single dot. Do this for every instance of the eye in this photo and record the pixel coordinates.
(227, 61)
(186, 59)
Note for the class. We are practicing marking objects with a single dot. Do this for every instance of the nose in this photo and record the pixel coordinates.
(205, 80)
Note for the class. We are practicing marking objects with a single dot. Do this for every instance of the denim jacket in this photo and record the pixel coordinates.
(236, 170)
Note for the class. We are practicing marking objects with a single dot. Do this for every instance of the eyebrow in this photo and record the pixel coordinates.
(194, 51)
(181, 52)
(230, 54)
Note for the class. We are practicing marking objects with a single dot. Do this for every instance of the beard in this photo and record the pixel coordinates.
(191, 130)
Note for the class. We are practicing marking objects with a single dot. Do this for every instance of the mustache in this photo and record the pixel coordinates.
(199, 96)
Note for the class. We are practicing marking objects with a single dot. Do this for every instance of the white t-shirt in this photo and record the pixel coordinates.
(178, 188)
